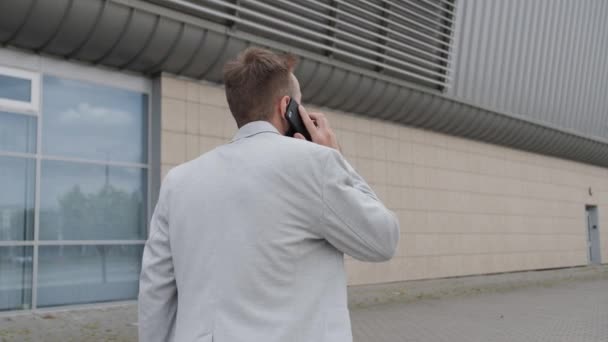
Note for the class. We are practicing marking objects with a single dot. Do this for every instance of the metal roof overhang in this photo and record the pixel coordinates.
(152, 37)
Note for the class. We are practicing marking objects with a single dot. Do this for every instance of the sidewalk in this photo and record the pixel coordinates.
(560, 305)
(561, 311)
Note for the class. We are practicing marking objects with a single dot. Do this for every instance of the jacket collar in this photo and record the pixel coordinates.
(253, 128)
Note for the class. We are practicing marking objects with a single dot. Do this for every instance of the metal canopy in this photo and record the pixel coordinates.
(173, 36)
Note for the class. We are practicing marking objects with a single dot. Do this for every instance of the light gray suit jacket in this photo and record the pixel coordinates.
(247, 243)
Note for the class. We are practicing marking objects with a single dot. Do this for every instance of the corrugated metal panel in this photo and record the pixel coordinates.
(406, 40)
(543, 59)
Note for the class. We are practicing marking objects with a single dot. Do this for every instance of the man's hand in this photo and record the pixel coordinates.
(318, 127)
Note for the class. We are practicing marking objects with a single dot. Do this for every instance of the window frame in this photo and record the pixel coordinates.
(24, 107)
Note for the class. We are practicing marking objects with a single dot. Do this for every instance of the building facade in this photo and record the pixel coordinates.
(481, 123)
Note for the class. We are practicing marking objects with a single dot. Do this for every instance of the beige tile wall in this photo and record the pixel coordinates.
(465, 207)
(194, 119)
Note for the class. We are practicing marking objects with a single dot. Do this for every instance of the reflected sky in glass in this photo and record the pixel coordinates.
(92, 202)
(17, 133)
(15, 88)
(17, 190)
(87, 274)
(90, 121)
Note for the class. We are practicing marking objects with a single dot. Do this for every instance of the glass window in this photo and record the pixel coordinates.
(17, 192)
(17, 133)
(85, 120)
(15, 88)
(87, 274)
(84, 197)
(92, 202)
(15, 278)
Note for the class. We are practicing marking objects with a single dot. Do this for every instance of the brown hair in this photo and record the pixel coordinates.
(254, 81)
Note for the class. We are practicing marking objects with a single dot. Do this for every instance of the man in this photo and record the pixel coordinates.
(247, 241)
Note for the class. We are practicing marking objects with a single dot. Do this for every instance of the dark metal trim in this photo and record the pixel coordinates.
(384, 23)
(192, 58)
(121, 36)
(19, 28)
(393, 98)
(89, 35)
(399, 114)
(331, 95)
(304, 84)
(141, 51)
(60, 26)
(363, 98)
(378, 99)
(323, 85)
(217, 59)
(391, 103)
(158, 66)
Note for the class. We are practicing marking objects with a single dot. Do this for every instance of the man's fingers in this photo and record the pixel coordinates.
(319, 119)
(310, 125)
(316, 115)
(299, 136)
(318, 127)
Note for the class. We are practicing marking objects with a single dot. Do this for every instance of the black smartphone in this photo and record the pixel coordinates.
(296, 125)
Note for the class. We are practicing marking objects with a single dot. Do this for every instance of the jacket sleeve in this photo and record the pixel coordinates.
(353, 218)
(157, 303)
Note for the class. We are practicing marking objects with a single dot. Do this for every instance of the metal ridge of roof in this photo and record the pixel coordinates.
(154, 36)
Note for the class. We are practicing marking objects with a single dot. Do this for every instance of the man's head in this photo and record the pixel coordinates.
(259, 84)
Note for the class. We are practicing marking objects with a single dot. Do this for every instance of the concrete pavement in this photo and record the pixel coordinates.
(568, 312)
(563, 305)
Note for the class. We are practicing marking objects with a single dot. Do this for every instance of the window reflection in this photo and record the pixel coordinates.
(17, 191)
(14, 88)
(85, 120)
(15, 278)
(92, 202)
(17, 133)
(87, 274)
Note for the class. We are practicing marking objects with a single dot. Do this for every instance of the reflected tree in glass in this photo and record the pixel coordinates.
(86, 274)
(107, 212)
(92, 202)
(17, 189)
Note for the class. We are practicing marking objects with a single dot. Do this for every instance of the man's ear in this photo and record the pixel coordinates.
(283, 105)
